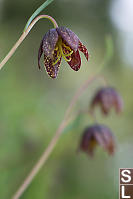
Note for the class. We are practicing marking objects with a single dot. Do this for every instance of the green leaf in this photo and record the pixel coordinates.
(43, 6)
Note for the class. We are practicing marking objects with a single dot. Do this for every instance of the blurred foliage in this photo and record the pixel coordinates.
(32, 105)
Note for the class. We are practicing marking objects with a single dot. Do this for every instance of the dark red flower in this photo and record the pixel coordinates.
(97, 135)
(107, 98)
(57, 43)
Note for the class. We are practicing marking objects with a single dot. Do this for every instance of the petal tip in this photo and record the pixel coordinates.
(84, 50)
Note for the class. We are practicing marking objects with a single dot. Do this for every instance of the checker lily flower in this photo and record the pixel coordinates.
(57, 43)
(107, 98)
(97, 134)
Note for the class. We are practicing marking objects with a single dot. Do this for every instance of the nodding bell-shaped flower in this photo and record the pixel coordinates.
(107, 98)
(97, 135)
(57, 43)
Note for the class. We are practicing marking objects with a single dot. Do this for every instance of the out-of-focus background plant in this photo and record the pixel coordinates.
(32, 105)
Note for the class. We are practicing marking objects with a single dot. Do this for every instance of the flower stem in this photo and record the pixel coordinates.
(56, 137)
(44, 5)
(23, 36)
(108, 53)
(11, 52)
(41, 161)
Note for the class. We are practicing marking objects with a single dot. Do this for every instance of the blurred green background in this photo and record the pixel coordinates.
(32, 105)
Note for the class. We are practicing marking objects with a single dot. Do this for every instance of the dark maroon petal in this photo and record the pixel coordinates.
(49, 42)
(70, 37)
(109, 140)
(88, 142)
(51, 69)
(40, 54)
(107, 98)
(118, 103)
(97, 134)
(75, 62)
(105, 138)
(84, 50)
(85, 140)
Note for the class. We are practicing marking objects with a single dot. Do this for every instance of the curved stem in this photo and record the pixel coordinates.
(56, 137)
(44, 5)
(82, 89)
(108, 53)
(42, 17)
(23, 36)
(12, 51)
(40, 162)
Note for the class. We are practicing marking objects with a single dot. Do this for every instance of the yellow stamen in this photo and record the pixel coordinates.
(60, 52)
(56, 48)
(63, 55)
(66, 58)
(67, 47)
(66, 55)
(59, 56)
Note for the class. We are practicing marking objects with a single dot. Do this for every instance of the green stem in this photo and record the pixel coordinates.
(44, 5)
(108, 53)
(47, 152)
(23, 36)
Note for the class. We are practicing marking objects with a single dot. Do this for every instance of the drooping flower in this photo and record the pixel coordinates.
(107, 98)
(97, 135)
(57, 43)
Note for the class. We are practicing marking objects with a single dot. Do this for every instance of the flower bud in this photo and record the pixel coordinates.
(107, 98)
(97, 135)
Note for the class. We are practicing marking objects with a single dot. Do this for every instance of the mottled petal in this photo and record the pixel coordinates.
(105, 138)
(70, 37)
(107, 98)
(75, 62)
(109, 140)
(86, 138)
(118, 103)
(97, 134)
(84, 50)
(49, 42)
(40, 54)
(51, 69)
